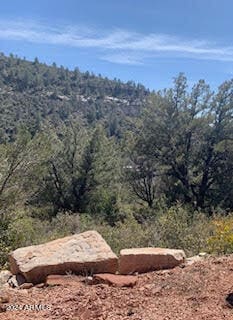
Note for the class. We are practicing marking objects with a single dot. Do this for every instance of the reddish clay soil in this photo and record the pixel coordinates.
(193, 292)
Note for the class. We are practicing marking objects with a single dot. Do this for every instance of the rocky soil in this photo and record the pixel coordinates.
(196, 292)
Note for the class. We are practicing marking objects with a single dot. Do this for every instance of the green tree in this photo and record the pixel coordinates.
(20, 161)
(182, 132)
(60, 186)
(100, 176)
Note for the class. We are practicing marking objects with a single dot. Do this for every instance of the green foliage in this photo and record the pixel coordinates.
(21, 229)
(126, 234)
(101, 173)
(184, 147)
(103, 203)
(20, 162)
(179, 228)
(221, 241)
(33, 93)
(60, 184)
(63, 224)
(83, 173)
(172, 228)
(4, 243)
(91, 153)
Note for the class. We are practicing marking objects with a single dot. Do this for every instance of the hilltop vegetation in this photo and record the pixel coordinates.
(79, 151)
(32, 92)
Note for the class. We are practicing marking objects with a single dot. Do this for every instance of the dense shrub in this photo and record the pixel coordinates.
(221, 242)
(180, 228)
(21, 229)
(176, 227)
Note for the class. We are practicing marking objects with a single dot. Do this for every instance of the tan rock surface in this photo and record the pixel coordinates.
(148, 259)
(81, 253)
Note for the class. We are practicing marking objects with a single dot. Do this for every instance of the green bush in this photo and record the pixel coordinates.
(176, 227)
(182, 229)
(4, 250)
(127, 234)
(221, 241)
(104, 204)
(23, 230)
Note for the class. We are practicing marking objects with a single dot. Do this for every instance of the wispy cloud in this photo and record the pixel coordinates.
(123, 58)
(116, 46)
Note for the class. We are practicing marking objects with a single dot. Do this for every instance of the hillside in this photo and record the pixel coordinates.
(31, 92)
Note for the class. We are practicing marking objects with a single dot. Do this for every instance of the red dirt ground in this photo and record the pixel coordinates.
(195, 292)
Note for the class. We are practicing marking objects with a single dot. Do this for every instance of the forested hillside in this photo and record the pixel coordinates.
(82, 152)
(31, 92)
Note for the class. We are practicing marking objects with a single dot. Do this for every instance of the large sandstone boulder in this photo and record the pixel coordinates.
(148, 259)
(81, 253)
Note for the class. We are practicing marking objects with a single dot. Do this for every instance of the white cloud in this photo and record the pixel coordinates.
(122, 58)
(117, 46)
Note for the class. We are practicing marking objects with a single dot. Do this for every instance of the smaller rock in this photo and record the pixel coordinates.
(60, 280)
(203, 254)
(13, 282)
(26, 285)
(4, 276)
(88, 280)
(143, 260)
(16, 280)
(115, 280)
(192, 260)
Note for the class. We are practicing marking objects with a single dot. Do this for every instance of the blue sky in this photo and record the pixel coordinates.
(148, 41)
